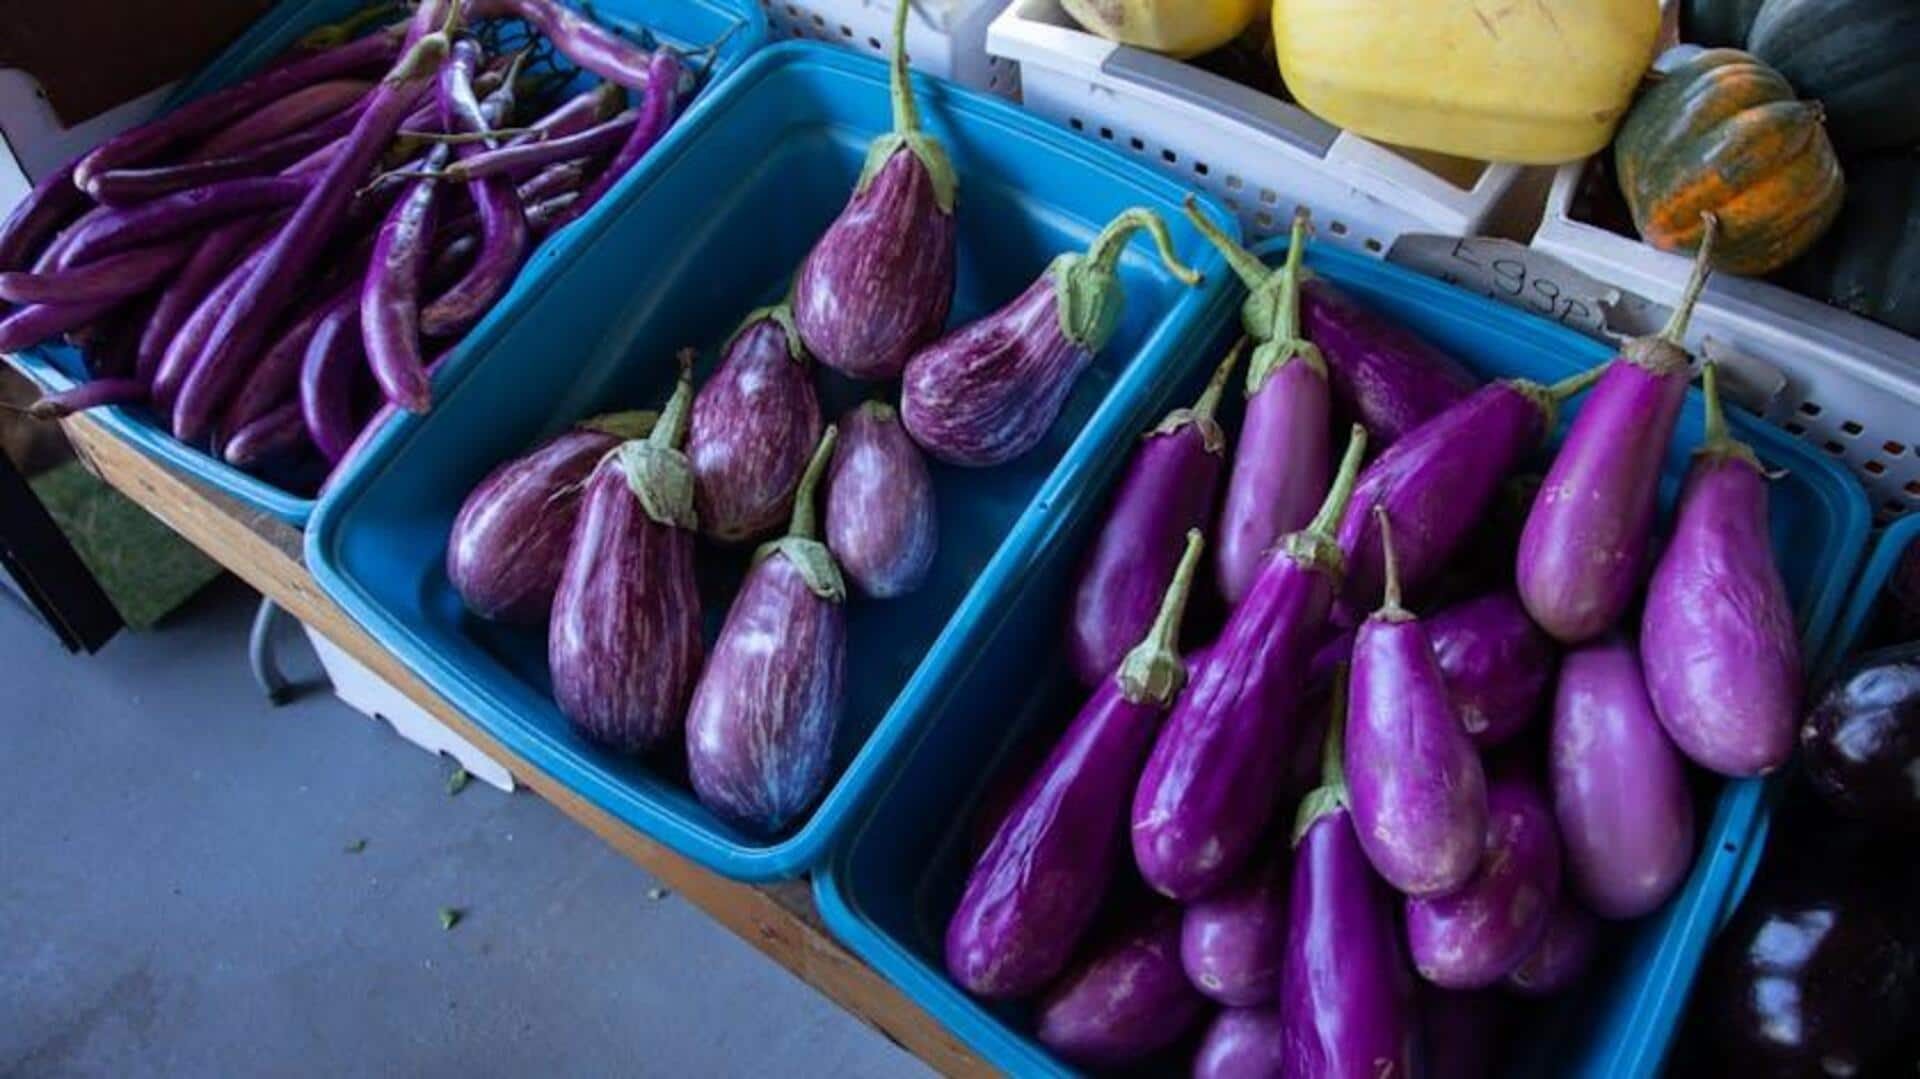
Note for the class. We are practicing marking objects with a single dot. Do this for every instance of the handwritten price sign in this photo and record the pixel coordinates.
(1515, 275)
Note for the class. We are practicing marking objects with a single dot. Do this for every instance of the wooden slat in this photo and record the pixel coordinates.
(780, 920)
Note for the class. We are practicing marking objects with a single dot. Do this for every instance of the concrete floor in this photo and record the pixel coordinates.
(178, 897)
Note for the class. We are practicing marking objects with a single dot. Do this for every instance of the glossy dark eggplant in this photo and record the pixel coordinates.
(1126, 1000)
(1563, 955)
(882, 522)
(1383, 374)
(1497, 663)
(1861, 743)
(754, 424)
(1241, 1043)
(1233, 941)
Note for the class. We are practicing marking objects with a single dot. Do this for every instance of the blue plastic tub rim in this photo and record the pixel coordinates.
(896, 731)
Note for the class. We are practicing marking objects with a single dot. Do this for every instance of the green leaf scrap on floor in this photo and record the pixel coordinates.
(457, 782)
(356, 846)
(450, 917)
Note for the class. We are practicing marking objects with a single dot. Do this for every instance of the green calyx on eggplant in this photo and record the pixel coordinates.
(802, 545)
(1087, 288)
(656, 468)
(906, 134)
(1271, 313)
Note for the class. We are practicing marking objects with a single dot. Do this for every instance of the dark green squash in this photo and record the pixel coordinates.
(1870, 262)
(1858, 58)
(1717, 23)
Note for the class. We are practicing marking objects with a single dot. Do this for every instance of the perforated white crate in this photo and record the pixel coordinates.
(1261, 156)
(1852, 385)
(945, 38)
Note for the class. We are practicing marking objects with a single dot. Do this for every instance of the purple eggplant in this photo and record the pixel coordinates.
(574, 115)
(1584, 549)
(1619, 787)
(1563, 955)
(1415, 787)
(1233, 941)
(1213, 780)
(24, 327)
(275, 377)
(1241, 1043)
(879, 282)
(761, 725)
(115, 277)
(297, 111)
(274, 434)
(755, 423)
(1281, 467)
(1464, 1030)
(657, 114)
(575, 36)
(504, 235)
(1168, 490)
(1346, 999)
(188, 346)
(1438, 481)
(509, 541)
(624, 642)
(1717, 616)
(881, 518)
(334, 357)
(94, 393)
(1497, 664)
(133, 188)
(184, 213)
(989, 391)
(1861, 741)
(211, 260)
(1385, 375)
(1127, 1000)
(1482, 931)
(1032, 894)
(34, 222)
(390, 296)
(529, 158)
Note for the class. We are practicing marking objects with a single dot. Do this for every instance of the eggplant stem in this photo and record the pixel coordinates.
(455, 138)
(906, 111)
(805, 523)
(1390, 601)
(1567, 387)
(1676, 327)
(1331, 794)
(1246, 265)
(1290, 286)
(672, 428)
(1104, 252)
(1209, 402)
(1153, 670)
(1716, 412)
(1335, 506)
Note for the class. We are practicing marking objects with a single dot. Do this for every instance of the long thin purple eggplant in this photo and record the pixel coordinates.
(755, 424)
(1346, 1000)
(1213, 780)
(1477, 935)
(115, 277)
(1233, 942)
(1619, 787)
(624, 643)
(522, 158)
(657, 113)
(276, 433)
(1584, 549)
(1127, 1000)
(1032, 895)
(1497, 663)
(574, 115)
(275, 376)
(879, 282)
(297, 111)
(94, 393)
(1563, 955)
(390, 297)
(183, 213)
(334, 356)
(578, 38)
(882, 523)
(1168, 490)
(1386, 376)
(189, 346)
(1242, 1043)
(989, 391)
(212, 259)
(504, 235)
(1718, 616)
(131, 188)
(760, 728)
(38, 217)
(1414, 783)
(1282, 464)
(24, 327)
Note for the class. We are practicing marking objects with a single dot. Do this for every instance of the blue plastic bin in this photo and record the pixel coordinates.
(890, 889)
(687, 24)
(716, 229)
(1865, 601)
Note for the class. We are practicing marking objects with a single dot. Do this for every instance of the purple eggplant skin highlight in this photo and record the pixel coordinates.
(1497, 664)
(1383, 374)
(275, 377)
(1127, 1000)
(1214, 777)
(1032, 894)
(882, 523)
(333, 358)
(1481, 932)
(624, 642)
(755, 423)
(879, 282)
(276, 433)
(657, 113)
(188, 347)
(1416, 791)
(132, 188)
(115, 277)
(576, 37)
(505, 236)
(24, 327)
(1233, 941)
(518, 158)
(183, 213)
(1584, 549)
(211, 260)
(1281, 467)
(37, 218)
(390, 296)
(296, 111)
(760, 728)
(1241, 1043)
(1619, 786)
(94, 393)
(1168, 491)
(1717, 617)
(1563, 955)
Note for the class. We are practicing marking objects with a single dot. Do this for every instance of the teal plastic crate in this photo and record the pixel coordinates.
(685, 24)
(1888, 549)
(889, 891)
(679, 258)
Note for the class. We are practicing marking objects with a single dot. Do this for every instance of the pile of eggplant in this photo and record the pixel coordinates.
(595, 533)
(272, 268)
(1440, 737)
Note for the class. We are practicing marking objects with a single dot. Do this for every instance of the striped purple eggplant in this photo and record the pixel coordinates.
(1241, 1043)
(509, 541)
(624, 642)
(755, 423)
(1033, 893)
(760, 728)
(1563, 955)
(1386, 376)
(879, 282)
(1497, 663)
(1477, 935)
(1717, 615)
(1414, 783)
(1168, 490)
(1233, 941)
(1583, 552)
(1282, 464)
(1619, 786)
(1127, 1000)
(881, 519)
(989, 391)
(1214, 778)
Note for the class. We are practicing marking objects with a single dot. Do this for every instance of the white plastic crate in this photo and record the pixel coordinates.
(1261, 156)
(1852, 385)
(945, 38)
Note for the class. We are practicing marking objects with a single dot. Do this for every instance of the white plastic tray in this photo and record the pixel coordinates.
(945, 38)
